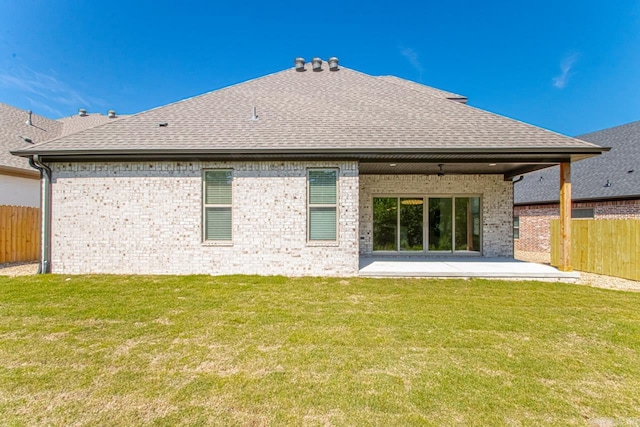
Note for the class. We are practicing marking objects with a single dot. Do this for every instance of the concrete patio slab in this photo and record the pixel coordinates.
(462, 267)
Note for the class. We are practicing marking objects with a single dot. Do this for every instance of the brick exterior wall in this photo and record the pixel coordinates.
(535, 220)
(496, 201)
(145, 218)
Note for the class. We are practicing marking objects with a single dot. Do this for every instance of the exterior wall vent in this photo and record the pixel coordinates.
(299, 64)
(111, 114)
(333, 63)
(82, 112)
(317, 64)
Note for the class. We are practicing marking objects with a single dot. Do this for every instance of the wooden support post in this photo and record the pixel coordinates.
(565, 217)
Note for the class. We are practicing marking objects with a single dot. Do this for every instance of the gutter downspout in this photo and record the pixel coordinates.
(45, 202)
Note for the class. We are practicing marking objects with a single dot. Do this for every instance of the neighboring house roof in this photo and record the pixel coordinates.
(14, 129)
(613, 175)
(341, 113)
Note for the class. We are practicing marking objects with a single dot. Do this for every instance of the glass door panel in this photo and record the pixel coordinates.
(440, 224)
(411, 219)
(467, 217)
(385, 224)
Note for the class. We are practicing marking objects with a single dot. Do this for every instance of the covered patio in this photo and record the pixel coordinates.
(460, 267)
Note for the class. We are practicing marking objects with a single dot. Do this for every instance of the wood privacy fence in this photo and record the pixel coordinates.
(19, 234)
(603, 246)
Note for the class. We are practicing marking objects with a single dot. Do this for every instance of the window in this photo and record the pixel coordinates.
(322, 205)
(516, 227)
(217, 205)
(582, 213)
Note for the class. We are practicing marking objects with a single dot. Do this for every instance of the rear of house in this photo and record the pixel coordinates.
(300, 172)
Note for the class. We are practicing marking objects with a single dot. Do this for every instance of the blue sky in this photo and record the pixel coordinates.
(569, 66)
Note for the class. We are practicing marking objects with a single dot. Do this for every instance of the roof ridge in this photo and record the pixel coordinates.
(608, 129)
(394, 80)
(33, 113)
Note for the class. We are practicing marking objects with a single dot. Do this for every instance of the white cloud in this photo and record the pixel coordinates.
(412, 57)
(561, 80)
(45, 90)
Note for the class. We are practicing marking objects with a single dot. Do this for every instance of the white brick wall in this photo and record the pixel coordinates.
(145, 217)
(496, 200)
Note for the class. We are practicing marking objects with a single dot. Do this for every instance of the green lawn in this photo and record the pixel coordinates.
(199, 350)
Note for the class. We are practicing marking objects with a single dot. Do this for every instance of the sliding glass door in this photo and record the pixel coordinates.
(452, 224)
(385, 224)
(411, 220)
(467, 224)
(440, 224)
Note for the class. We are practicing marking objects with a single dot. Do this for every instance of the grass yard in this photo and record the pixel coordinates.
(199, 350)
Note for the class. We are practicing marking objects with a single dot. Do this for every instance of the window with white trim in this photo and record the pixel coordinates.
(216, 205)
(322, 205)
(516, 227)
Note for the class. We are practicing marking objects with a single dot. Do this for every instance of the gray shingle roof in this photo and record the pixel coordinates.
(13, 126)
(590, 176)
(313, 112)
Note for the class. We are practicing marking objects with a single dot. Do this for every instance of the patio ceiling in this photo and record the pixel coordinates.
(509, 170)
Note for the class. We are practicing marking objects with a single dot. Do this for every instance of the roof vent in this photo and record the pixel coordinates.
(333, 63)
(317, 64)
(111, 114)
(82, 112)
(254, 115)
(28, 122)
(299, 64)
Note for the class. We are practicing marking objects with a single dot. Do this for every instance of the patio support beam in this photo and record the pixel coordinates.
(565, 217)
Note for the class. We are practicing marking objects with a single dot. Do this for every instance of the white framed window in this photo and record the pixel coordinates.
(216, 205)
(516, 227)
(322, 205)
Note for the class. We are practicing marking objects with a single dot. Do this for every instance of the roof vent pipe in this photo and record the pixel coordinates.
(82, 112)
(111, 114)
(28, 122)
(333, 63)
(317, 64)
(299, 64)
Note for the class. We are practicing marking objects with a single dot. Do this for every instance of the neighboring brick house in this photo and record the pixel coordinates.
(300, 172)
(603, 187)
(19, 182)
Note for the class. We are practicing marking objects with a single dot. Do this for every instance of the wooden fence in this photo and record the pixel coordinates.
(19, 234)
(603, 246)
